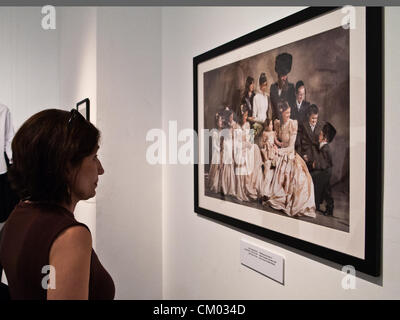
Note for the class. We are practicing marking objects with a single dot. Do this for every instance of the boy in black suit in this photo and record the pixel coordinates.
(322, 170)
(299, 110)
(307, 143)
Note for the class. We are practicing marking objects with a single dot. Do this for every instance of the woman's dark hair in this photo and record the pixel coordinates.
(262, 79)
(225, 114)
(266, 124)
(249, 81)
(283, 105)
(46, 146)
(217, 116)
(243, 109)
(313, 109)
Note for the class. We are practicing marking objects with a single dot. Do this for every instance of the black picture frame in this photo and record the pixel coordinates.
(371, 264)
(83, 108)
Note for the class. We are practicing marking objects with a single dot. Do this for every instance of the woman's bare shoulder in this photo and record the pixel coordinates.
(77, 236)
(70, 257)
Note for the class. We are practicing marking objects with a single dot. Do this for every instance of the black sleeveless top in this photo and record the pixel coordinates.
(27, 238)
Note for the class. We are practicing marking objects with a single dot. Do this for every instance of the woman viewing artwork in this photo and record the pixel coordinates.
(55, 165)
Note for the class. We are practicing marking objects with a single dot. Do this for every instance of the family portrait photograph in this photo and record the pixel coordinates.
(286, 117)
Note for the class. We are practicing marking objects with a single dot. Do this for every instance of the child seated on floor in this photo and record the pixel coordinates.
(322, 170)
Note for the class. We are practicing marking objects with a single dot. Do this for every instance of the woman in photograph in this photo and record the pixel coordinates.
(248, 95)
(247, 160)
(292, 188)
(214, 182)
(55, 166)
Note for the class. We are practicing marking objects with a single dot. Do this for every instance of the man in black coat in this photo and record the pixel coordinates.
(322, 169)
(307, 143)
(282, 90)
(299, 111)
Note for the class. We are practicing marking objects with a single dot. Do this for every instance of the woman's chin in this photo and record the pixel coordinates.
(88, 196)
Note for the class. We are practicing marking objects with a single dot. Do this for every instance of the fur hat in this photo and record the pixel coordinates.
(283, 63)
(329, 131)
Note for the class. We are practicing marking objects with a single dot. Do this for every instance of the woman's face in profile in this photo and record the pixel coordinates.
(87, 177)
(251, 87)
(245, 116)
(263, 87)
(220, 123)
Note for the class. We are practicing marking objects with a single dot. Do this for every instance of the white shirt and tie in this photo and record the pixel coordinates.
(298, 105)
(6, 136)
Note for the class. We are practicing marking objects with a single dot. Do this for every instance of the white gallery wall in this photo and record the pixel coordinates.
(129, 211)
(201, 257)
(29, 78)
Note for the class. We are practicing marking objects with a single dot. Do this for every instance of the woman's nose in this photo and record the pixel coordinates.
(100, 169)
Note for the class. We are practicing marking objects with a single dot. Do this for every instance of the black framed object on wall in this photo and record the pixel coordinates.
(289, 120)
(83, 108)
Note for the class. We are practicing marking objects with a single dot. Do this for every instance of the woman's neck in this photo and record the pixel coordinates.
(71, 206)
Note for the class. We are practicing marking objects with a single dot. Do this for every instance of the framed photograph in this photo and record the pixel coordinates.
(83, 108)
(289, 121)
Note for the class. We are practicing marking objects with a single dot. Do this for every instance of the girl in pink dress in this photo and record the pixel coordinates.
(292, 188)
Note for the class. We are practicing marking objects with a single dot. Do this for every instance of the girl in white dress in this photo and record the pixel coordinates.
(216, 164)
(227, 174)
(268, 144)
(247, 160)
